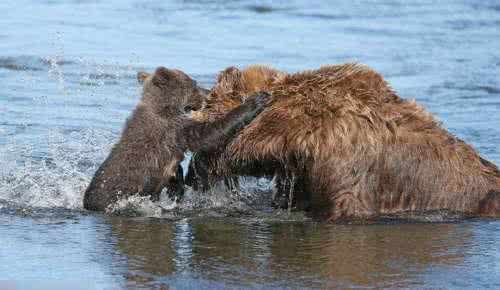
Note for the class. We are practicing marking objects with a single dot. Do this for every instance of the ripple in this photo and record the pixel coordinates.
(262, 9)
(490, 89)
(19, 64)
(29, 63)
(323, 16)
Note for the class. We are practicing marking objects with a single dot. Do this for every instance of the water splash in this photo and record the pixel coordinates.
(54, 178)
(56, 175)
(55, 68)
(48, 156)
(253, 196)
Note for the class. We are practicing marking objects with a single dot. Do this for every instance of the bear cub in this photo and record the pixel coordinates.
(147, 157)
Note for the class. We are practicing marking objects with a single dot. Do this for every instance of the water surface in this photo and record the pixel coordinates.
(68, 69)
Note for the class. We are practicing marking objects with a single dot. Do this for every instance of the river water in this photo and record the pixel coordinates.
(67, 70)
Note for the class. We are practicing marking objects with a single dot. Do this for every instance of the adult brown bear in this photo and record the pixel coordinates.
(156, 135)
(342, 139)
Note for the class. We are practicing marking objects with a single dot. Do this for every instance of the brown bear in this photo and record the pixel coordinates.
(341, 139)
(147, 157)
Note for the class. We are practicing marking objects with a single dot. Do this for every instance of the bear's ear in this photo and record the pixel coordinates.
(141, 76)
(229, 74)
(163, 75)
(229, 80)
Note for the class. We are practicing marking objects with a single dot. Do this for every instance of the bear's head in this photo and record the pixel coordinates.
(171, 91)
(233, 85)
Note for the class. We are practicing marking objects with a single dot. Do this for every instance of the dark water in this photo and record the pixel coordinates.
(67, 70)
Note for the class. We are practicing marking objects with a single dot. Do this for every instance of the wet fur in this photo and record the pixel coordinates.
(359, 149)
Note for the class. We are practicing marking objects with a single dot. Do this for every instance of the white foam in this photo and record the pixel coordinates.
(56, 178)
(210, 202)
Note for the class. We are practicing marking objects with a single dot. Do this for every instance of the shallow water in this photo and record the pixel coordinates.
(68, 69)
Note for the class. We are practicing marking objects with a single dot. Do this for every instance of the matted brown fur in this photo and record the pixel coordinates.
(362, 150)
(233, 86)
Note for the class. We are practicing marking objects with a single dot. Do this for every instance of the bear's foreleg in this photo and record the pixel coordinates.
(200, 177)
(174, 186)
(212, 136)
(205, 139)
(198, 172)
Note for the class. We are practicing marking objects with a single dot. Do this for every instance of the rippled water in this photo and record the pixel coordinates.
(68, 69)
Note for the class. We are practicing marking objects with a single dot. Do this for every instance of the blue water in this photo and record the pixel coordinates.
(67, 70)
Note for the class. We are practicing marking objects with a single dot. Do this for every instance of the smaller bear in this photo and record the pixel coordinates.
(147, 157)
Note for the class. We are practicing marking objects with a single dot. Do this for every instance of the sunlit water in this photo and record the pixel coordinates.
(67, 72)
